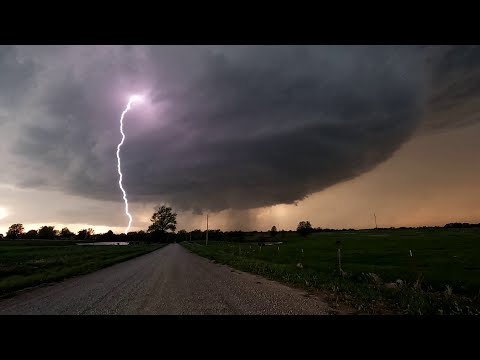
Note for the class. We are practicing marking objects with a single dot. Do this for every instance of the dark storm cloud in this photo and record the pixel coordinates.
(15, 76)
(226, 127)
(455, 86)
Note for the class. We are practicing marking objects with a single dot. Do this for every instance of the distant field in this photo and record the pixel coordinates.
(441, 258)
(26, 263)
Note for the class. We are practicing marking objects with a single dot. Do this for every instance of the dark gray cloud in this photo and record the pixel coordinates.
(16, 74)
(224, 127)
(455, 86)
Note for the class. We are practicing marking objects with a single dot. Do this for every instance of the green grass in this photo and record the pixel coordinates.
(441, 257)
(26, 263)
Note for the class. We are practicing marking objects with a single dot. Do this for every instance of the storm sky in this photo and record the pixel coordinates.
(254, 135)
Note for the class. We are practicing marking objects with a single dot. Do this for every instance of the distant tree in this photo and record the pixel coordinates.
(15, 231)
(304, 228)
(85, 233)
(163, 219)
(196, 234)
(131, 236)
(32, 234)
(215, 234)
(46, 232)
(141, 236)
(181, 235)
(1, 236)
(109, 236)
(66, 233)
(273, 231)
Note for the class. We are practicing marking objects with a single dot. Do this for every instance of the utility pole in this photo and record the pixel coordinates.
(206, 238)
(375, 216)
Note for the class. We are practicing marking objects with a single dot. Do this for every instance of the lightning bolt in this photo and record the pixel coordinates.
(133, 99)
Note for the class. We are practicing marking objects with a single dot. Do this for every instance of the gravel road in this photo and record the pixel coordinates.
(168, 281)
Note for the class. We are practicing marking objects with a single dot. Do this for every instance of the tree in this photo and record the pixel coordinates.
(1, 236)
(46, 232)
(141, 236)
(32, 234)
(85, 233)
(82, 234)
(163, 219)
(304, 228)
(274, 231)
(196, 234)
(15, 231)
(66, 233)
(182, 235)
(109, 236)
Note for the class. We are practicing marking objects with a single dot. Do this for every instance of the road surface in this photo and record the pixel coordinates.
(168, 281)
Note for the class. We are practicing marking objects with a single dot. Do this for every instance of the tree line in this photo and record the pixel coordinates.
(163, 227)
(17, 231)
(164, 222)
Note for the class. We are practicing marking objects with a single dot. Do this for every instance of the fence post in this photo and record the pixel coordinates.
(339, 254)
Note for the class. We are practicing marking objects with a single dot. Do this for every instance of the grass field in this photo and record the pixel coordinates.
(442, 276)
(26, 263)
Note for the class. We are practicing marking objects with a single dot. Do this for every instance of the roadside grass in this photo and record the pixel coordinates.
(26, 264)
(441, 277)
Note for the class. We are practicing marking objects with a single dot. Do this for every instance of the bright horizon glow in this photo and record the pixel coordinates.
(133, 99)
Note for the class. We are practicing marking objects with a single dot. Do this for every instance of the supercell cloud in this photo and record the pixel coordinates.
(224, 126)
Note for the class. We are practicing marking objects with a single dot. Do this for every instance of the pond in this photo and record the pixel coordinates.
(106, 243)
